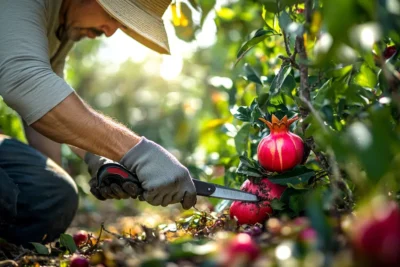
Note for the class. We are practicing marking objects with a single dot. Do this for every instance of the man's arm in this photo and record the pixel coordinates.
(75, 123)
(45, 145)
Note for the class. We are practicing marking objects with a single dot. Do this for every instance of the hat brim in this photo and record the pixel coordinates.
(144, 27)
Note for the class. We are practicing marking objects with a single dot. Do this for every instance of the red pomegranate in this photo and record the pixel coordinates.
(80, 237)
(251, 213)
(243, 244)
(281, 150)
(79, 261)
(376, 238)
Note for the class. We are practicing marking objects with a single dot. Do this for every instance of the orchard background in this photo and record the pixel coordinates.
(332, 63)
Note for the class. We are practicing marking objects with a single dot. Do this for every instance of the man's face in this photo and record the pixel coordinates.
(86, 18)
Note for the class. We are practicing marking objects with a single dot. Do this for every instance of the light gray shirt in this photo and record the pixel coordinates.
(31, 57)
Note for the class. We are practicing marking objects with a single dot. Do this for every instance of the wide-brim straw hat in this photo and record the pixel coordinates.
(142, 20)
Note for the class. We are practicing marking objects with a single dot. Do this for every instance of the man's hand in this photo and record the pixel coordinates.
(126, 190)
(164, 179)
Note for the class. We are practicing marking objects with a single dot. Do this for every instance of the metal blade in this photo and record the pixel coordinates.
(233, 194)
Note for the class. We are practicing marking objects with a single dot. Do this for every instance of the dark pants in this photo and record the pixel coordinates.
(38, 199)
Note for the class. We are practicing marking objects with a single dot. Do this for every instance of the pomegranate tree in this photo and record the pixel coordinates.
(281, 150)
(251, 213)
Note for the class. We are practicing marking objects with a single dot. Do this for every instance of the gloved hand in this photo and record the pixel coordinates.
(164, 179)
(115, 191)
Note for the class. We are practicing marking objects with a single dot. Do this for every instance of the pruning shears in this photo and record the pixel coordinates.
(110, 173)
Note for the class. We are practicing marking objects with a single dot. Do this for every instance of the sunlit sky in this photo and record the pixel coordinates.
(120, 47)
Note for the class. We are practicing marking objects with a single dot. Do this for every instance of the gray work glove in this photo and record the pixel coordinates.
(164, 179)
(128, 189)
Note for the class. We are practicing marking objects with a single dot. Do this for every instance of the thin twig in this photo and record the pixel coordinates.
(291, 58)
(8, 263)
(285, 38)
(25, 252)
(304, 90)
(300, 48)
(93, 248)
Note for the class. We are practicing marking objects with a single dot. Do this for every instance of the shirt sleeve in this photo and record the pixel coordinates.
(27, 82)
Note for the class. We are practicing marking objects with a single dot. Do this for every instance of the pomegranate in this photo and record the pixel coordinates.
(281, 150)
(308, 235)
(80, 237)
(376, 238)
(251, 213)
(79, 261)
(240, 251)
(389, 52)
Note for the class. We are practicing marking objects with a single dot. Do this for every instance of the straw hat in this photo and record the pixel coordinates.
(141, 19)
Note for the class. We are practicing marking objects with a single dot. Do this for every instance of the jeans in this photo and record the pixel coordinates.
(38, 199)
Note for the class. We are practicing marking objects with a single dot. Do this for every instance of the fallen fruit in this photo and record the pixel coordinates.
(376, 237)
(78, 261)
(281, 150)
(251, 213)
(240, 251)
(80, 237)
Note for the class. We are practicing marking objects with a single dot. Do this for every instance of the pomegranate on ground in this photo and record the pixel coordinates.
(79, 261)
(240, 251)
(80, 237)
(250, 212)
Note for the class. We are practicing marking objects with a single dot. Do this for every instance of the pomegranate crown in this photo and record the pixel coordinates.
(276, 125)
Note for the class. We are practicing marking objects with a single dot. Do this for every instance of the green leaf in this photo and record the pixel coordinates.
(284, 20)
(297, 202)
(288, 85)
(366, 77)
(295, 199)
(277, 204)
(279, 79)
(242, 138)
(41, 249)
(243, 114)
(316, 214)
(251, 75)
(68, 242)
(247, 162)
(255, 116)
(262, 100)
(257, 37)
(248, 167)
(298, 175)
(322, 93)
(206, 7)
(249, 172)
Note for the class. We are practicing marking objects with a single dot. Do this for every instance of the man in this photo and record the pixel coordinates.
(37, 198)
